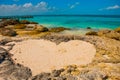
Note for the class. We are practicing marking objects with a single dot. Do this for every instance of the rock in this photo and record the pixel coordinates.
(117, 29)
(27, 22)
(57, 73)
(103, 32)
(71, 77)
(34, 27)
(19, 26)
(113, 35)
(9, 22)
(2, 25)
(71, 68)
(7, 32)
(31, 27)
(106, 33)
(91, 33)
(11, 71)
(61, 78)
(92, 75)
(3, 54)
(33, 23)
(58, 29)
(5, 41)
(41, 28)
(8, 48)
(89, 28)
(24, 22)
(20, 73)
(42, 76)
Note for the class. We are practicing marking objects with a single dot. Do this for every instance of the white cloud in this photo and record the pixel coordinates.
(27, 5)
(25, 9)
(74, 5)
(111, 8)
(41, 4)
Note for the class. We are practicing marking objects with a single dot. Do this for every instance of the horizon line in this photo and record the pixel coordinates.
(86, 15)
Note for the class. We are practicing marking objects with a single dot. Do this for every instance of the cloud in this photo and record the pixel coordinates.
(74, 5)
(27, 5)
(25, 9)
(111, 7)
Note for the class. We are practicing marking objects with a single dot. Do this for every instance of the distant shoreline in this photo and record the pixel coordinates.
(30, 16)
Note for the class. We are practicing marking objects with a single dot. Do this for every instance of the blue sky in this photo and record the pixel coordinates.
(46, 7)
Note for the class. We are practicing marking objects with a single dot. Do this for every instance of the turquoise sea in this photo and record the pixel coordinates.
(78, 22)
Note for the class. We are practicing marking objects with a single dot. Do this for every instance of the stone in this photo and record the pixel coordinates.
(24, 22)
(19, 26)
(113, 35)
(103, 32)
(88, 27)
(41, 28)
(5, 41)
(42, 76)
(20, 73)
(58, 29)
(7, 32)
(2, 25)
(33, 23)
(7, 22)
(57, 73)
(117, 29)
(94, 74)
(3, 54)
(92, 33)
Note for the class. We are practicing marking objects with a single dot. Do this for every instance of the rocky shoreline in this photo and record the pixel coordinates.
(105, 64)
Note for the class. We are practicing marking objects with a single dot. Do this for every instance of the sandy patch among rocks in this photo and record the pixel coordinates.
(44, 56)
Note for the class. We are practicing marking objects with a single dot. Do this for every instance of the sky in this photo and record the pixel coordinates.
(59, 7)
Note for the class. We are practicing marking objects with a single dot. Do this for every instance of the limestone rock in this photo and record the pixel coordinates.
(117, 29)
(58, 29)
(7, 32)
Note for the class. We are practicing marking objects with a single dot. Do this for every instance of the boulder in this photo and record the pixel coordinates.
(7, 22)
(24, 22)
(30, 27)
(3, 54)
(41, 28)
(33, 23)
(19, 26)
(93, 74)
(113, 35)
(7, 32)
(103, 32)
(1, 25)
(117, 29)
(88, 27)
(27, 22)
(58, 29)
(92, 33)
(34, 27)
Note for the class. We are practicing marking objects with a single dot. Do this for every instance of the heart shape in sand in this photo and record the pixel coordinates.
(44, 56)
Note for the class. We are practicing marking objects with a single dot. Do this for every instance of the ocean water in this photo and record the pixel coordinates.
(78, 22)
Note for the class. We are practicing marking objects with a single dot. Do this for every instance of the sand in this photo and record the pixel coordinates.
(44, 56)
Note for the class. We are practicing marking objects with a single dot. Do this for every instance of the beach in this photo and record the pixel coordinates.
(31, 51)
(52, 56)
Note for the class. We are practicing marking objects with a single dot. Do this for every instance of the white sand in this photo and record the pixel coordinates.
(44, 56)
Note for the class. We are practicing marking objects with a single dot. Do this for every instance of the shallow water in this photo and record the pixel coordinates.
(76, 22)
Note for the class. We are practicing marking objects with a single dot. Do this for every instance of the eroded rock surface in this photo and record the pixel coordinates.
(105, 65)
(11, 71)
